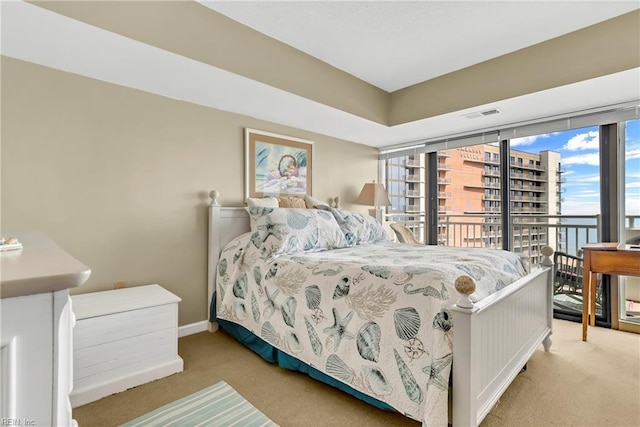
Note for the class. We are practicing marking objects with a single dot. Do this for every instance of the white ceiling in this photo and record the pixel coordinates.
(37, 35)
(394, 44)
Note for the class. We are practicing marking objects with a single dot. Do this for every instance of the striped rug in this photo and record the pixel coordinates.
(216, 406)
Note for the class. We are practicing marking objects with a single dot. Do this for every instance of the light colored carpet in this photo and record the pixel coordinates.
(596, 383)
(219, 405)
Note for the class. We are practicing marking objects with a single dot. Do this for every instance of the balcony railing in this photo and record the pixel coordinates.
(527, 166)
(565, 233)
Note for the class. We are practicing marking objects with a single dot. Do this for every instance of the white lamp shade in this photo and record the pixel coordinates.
(373, 194)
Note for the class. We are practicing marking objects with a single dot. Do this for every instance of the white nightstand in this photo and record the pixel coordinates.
(123, 338)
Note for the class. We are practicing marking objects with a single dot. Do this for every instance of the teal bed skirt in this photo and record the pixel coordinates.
(273, 355)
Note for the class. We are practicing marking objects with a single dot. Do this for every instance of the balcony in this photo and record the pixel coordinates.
(567, 234)
(413, 164)
(522, 165)
(528, 232)
(490, 173)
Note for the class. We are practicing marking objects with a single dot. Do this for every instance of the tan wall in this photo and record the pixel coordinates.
(605, 48)
(119, 177)
(195, 31)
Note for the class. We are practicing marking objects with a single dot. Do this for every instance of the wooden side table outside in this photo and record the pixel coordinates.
(606, 258)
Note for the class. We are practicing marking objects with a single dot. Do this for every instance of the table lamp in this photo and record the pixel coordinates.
(374, 194)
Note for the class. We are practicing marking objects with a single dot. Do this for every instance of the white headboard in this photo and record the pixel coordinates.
(225, 224)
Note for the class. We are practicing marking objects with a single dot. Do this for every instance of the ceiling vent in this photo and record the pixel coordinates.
(482, 113)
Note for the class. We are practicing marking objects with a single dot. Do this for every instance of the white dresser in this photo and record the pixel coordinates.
(123, 338)
(36, 339)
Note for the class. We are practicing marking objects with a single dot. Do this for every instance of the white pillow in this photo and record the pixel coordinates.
(265, 202)
(313, 203)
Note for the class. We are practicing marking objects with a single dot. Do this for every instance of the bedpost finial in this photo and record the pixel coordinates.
(465, 286)
(336, 202)
(214, 194)
(547, 253)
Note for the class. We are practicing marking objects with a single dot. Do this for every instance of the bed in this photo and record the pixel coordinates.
(375, 319)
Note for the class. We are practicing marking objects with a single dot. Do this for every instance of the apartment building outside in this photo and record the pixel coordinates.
(469, 196)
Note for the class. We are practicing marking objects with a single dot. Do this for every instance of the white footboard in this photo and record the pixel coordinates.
(493, 340)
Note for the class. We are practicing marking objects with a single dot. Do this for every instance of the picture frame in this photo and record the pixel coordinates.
(277, 165)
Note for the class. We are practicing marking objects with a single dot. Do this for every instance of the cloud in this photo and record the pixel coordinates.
(583, 141)
(588, 194)
(631, 137)
(632, 199)
(527, 140)
(633, 185)
(581, 181)
(592, 178)
(633, 153)
(581, 208)
(592, 159)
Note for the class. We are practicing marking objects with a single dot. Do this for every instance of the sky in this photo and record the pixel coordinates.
(579, 156)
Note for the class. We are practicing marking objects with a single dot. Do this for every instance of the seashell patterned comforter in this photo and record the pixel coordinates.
(374, 316)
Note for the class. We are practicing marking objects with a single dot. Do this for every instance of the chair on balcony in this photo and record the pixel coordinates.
(403, 233)
(568, 280)
(568, 274)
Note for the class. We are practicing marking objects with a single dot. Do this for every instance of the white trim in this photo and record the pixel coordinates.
(193, 328)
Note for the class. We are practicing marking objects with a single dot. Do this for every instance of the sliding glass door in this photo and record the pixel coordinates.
(555, 201)
(629, 287)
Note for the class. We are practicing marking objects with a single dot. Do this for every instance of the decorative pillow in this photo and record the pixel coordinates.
(313, 203)
(278, 231)
(291, 202)
(358, 228)
(265, 202)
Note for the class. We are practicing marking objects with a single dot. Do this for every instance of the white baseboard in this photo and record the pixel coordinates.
(193, 328)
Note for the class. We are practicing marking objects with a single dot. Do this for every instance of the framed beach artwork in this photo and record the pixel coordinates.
(277, 165)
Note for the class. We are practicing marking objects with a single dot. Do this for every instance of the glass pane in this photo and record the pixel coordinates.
(405, 184)
(630, 286)
(469, 200)
(559, 176)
